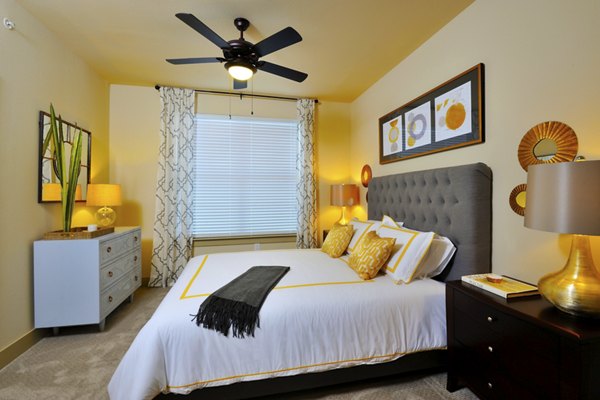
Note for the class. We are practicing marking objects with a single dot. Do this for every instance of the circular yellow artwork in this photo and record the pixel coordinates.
(455, 116)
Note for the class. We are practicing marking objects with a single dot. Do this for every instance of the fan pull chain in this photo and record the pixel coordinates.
(229, 107)
(252, 97)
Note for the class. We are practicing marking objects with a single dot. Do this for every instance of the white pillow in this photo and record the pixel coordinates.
(389, 221)
(439, 255)
(409, 251)
(360, 230)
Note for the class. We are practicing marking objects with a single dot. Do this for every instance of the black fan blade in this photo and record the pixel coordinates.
(284, 38)
(199, 60)
(240, 84)
(202, 29)
(282, 71)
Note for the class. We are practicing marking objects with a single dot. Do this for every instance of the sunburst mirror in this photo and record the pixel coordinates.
(547, 143)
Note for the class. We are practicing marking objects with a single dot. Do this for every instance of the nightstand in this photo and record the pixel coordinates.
(521, 348)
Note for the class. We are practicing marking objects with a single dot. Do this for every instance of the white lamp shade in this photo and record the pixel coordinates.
(564, 197)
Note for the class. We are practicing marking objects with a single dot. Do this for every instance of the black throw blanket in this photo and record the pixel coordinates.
(237, 304)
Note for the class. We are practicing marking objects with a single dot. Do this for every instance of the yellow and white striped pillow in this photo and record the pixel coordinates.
(370, 255)
(360, 230)
(337, 240)
(409, 251)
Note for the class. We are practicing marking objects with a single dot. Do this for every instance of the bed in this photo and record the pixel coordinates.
(321, 325)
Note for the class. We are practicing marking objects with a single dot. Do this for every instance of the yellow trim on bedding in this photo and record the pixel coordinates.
(386, 356)
(185, 296)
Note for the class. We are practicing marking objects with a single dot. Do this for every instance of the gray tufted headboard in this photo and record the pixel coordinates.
(455, 202)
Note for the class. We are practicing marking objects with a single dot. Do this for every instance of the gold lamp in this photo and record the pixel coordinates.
(104, 196)
(565, 198)
(344, 195)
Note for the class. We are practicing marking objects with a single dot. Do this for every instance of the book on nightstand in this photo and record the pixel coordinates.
(507, 287)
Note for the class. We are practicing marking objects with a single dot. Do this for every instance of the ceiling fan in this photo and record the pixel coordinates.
(242, 58)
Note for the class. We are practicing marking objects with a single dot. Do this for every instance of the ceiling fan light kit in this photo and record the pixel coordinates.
(242, 58)
(240, 69)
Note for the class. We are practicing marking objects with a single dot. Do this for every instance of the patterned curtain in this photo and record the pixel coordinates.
(172, 238)
(307, 234)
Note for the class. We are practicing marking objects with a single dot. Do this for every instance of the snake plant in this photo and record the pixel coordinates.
(67, 171)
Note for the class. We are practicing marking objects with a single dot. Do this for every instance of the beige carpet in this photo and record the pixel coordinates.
(79, 362)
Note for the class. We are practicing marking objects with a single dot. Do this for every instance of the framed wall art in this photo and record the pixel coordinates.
(446, 117)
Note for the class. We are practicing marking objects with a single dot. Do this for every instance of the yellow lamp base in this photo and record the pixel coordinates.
(106, 216)
(344, 219)
(575, 289)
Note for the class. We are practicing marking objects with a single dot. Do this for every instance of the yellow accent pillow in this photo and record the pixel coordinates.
(370, 255)
(337, 240)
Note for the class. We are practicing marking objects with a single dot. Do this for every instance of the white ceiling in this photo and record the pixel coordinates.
(347, 44)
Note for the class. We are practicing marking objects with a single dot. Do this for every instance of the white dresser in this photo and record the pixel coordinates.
(80, 282)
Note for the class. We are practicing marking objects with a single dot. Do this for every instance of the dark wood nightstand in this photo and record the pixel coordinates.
(519, 349)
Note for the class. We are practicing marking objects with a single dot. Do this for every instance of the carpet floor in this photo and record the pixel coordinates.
(79, 362)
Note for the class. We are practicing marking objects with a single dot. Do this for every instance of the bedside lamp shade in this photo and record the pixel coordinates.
(104, 196)
(344, 195)
(565, 198)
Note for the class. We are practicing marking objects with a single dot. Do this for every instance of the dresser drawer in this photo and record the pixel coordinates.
(528, 336)
(111, 249)
(115, 294)
(110, 273)
(506, 357)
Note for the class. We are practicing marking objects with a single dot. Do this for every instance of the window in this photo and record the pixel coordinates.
(245, 177)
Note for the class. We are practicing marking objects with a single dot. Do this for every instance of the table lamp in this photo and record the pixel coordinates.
(565, 198)
(104, 195)
(344, 195)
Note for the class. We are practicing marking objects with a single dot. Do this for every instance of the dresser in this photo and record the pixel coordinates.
(80, 282)
(521, 348)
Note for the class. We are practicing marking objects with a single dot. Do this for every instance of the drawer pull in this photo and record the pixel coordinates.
(108, 249)
(490, 385)
(491, 319)
(135, 238)
(136, 278)
(110, 299)
(490, 349)
(135, 258)
(110, 274)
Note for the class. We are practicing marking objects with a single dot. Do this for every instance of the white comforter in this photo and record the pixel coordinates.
(319, 317)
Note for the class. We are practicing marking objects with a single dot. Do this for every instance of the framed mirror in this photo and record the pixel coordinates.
(548, 142)
(518, 199)
(49, 190)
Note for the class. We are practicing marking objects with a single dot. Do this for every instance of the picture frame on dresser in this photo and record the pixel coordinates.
(82, 281)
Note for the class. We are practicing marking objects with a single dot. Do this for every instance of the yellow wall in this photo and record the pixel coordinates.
(541, 63)
(35, 69)
(134, 141)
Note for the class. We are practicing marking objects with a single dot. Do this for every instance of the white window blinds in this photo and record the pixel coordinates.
(245, 176)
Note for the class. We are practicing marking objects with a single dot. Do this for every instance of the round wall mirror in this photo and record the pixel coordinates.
(545, 149)
(518, 199)
(548, 142)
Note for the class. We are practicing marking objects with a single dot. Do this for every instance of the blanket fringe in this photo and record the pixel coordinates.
(222, 315)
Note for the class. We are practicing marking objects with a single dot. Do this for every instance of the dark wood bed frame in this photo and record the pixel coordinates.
(454, 202)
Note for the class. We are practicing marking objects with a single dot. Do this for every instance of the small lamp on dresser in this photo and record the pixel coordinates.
(565, 198)
(104, 196)
(344, 195)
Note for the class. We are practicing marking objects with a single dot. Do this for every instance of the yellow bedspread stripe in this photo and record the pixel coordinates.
(185, 295)
(388, 356)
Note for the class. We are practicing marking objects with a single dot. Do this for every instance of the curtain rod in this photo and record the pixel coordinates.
(262, 96)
